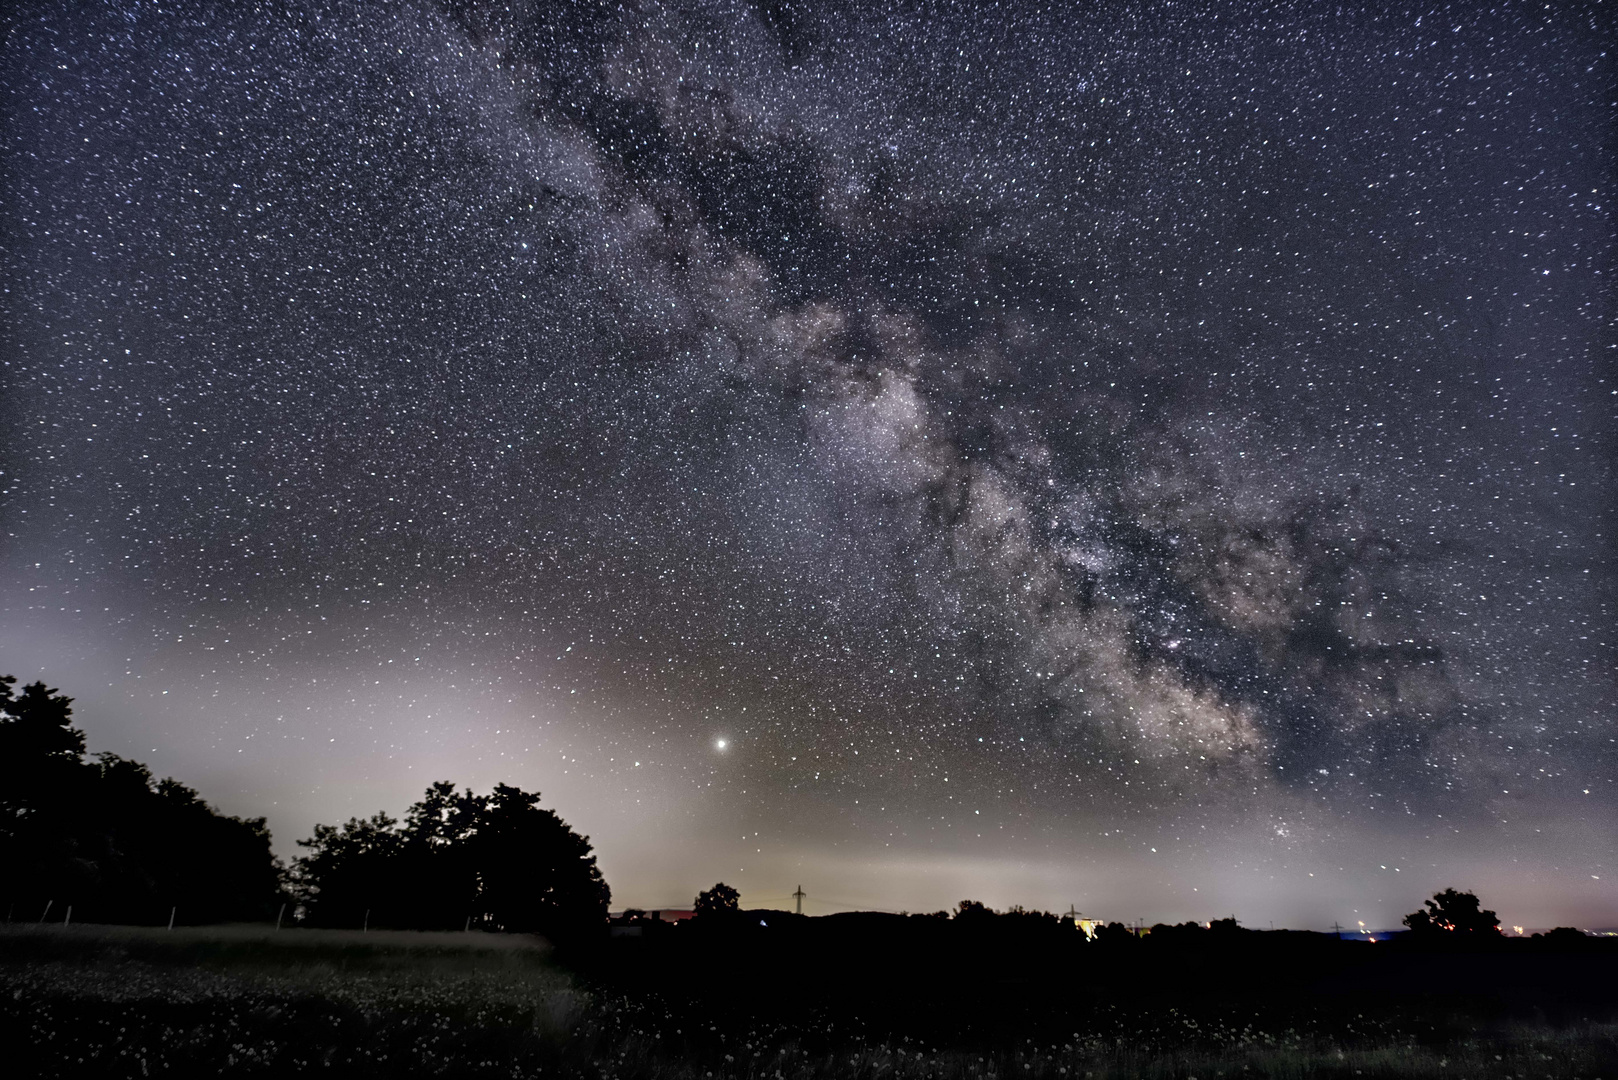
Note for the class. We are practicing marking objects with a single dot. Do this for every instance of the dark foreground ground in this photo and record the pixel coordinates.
(827, 999)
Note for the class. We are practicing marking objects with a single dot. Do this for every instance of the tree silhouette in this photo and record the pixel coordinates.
(160, 840)
(436, 863)
(537, 874)
(41, 753)
(108, 838)
(351, 869)
(37, 727)
(719, 901)
(1114, 934)
(498, 861)
(1453, 912)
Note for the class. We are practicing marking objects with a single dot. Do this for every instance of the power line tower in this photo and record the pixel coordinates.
(798, 896)
(1339, 931)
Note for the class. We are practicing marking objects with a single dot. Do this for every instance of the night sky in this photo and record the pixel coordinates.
(1152, 457)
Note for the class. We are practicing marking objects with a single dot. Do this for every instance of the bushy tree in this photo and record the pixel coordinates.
(1453, 912)
(436, 864)
(36, 727)
(1114, 934)
(537, 874)
(719, 901)
(499, 862)
(165, 844)
(350, 869)
(108, 838)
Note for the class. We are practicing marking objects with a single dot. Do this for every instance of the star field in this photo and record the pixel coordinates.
(1139, 458)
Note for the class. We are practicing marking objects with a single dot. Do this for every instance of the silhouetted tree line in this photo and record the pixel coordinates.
(1451, 921)
(105, 837)
(497, 862)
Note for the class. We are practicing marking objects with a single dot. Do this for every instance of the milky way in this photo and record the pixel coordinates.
(1153, 458)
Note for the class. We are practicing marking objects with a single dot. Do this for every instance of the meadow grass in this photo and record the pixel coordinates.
(127, 1002)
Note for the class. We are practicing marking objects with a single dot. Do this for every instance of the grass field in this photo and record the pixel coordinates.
(129, 1002)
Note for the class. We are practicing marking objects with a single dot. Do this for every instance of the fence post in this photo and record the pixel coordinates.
(172, 910)
(278, 916)
(47, 913)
